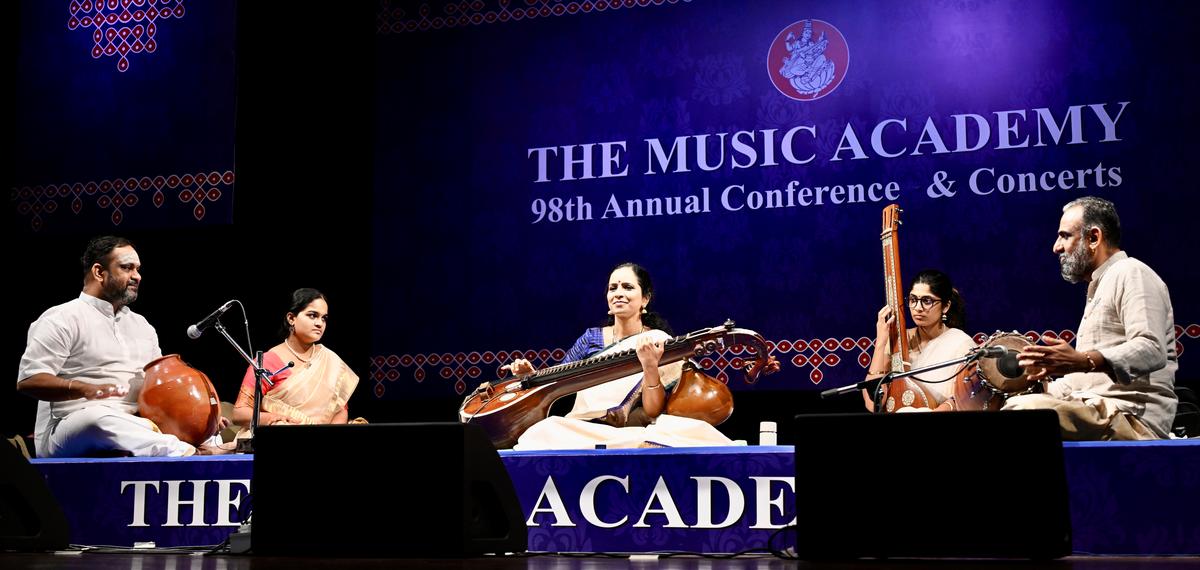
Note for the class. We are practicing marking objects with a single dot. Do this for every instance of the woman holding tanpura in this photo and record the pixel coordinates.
(939, 314)
(316, 389)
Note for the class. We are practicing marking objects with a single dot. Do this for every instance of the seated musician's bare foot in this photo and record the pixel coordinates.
(221, 449)
(616, 417)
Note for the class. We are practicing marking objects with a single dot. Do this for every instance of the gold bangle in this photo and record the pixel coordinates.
(69, 383)
(1091, 363)
(654, 386)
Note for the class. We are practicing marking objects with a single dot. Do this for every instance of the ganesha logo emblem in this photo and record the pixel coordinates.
(808, 60)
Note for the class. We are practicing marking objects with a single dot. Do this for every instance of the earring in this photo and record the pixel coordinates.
(945, 318)
(610, 311)
(644, 310)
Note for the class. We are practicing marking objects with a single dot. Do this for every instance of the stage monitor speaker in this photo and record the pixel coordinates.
(30, 517)
(382, 490)
(933, 485)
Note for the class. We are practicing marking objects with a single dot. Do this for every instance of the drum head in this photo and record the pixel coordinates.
(1001, 373)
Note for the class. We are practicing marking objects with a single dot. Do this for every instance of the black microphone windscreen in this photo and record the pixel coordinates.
(1008, 366)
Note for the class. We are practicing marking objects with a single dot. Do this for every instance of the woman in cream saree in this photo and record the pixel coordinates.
(316, 389)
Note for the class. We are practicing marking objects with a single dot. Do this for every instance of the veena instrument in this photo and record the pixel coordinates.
(505, 408)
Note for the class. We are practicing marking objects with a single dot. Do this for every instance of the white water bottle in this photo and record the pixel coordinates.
(767, 434)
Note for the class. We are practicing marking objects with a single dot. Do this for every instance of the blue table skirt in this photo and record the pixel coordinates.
(1132, 498)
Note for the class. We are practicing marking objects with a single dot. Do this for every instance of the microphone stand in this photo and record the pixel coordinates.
(260, 375)
(874, 384)
(239, 541)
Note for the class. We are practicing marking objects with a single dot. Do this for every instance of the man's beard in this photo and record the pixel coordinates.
(1073, 265)
(114, 292)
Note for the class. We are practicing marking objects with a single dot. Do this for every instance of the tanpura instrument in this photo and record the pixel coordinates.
(906, 392)
(505, 408)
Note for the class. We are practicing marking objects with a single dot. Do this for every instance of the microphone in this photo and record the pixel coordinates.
(991, 352)
(1008, 367)
(198, 329)
(868, 385)
(1006, 362)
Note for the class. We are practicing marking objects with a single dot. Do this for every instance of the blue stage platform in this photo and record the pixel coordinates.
(1126, 498)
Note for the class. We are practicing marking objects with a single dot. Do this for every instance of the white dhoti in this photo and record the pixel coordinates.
(97, 429)
(1084, 417)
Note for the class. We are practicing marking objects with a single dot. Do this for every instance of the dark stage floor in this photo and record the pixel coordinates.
(158, 561)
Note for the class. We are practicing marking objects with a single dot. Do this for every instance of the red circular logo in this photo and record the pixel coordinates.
(808, 60)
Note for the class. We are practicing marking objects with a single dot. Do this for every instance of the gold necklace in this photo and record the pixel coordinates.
(614, 333)
(303, 360)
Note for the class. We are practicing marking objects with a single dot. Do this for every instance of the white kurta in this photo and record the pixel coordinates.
(85, 341)
(1128, 319)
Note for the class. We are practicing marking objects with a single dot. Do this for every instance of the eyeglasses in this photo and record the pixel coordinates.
(925, 302)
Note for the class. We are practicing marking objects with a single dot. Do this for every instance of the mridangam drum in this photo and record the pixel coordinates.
(986, 384)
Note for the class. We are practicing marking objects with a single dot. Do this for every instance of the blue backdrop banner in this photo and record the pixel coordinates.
(743, 152)
(126, 115)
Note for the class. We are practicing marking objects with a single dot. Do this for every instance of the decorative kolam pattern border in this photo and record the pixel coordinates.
(466, 369)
